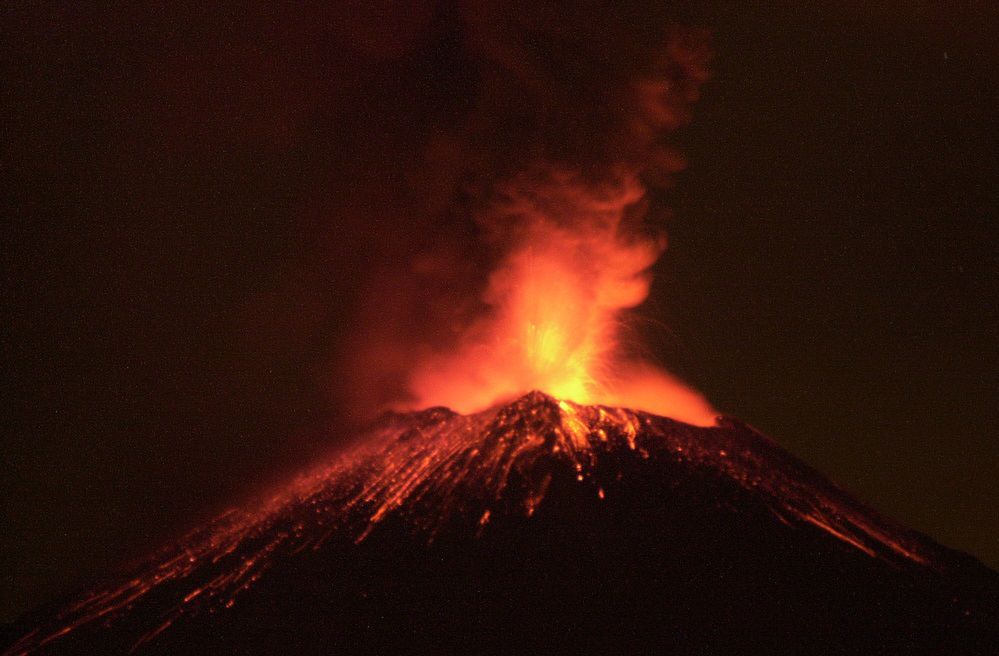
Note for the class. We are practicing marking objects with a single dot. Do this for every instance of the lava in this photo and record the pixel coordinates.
(439, 471)
(557, 306)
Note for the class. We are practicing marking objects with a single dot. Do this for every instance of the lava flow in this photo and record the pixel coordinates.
(432, 485)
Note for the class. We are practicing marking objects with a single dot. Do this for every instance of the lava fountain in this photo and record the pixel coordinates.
(555, 305)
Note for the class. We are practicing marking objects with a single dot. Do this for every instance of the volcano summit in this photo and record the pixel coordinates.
(543, 526)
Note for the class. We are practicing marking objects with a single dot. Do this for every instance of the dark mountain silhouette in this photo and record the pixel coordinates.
(538, 527)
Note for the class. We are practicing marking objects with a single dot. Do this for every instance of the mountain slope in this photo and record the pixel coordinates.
(544, 526)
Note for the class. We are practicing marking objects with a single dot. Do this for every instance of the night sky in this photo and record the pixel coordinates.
(195, 201)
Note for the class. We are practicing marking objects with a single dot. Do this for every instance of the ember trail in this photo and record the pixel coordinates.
(448, 481)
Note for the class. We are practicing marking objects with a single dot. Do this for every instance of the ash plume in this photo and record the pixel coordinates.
(535, 198)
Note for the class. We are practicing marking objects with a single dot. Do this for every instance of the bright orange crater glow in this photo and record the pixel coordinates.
(557, 302)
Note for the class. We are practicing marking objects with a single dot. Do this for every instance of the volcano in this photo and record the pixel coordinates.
(542, 526)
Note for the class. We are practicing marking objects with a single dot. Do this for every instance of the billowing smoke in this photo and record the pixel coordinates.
(538, 193)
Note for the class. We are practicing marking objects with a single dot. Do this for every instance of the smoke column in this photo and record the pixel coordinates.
(541, 190)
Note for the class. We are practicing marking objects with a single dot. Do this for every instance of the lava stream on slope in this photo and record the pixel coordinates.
(436, 476)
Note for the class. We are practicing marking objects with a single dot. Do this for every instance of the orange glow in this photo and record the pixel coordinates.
(434, 469)
(556, 304)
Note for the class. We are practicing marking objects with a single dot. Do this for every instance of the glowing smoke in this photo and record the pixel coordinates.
(554, 304)
(550, 168)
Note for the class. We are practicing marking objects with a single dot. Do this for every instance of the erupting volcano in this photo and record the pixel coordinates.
(535, 482)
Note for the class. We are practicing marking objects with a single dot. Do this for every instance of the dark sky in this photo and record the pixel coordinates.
(194, 198)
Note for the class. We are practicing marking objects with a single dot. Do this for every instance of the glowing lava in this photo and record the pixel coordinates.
(556, 303)
(436, 472)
